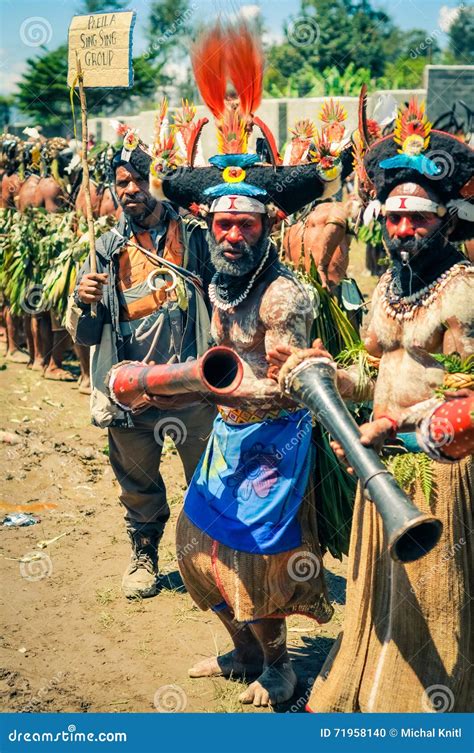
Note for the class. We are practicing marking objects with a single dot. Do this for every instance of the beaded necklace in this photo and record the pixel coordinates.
(398, 307)
(226, 305)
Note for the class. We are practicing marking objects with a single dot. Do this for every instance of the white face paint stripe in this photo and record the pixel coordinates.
(412, 204)
(233, 203)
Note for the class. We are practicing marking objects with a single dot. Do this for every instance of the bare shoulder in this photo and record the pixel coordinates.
(318, 215)
(284, 297)
(457, 297)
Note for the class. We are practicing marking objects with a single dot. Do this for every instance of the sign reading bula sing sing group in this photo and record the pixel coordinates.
(103, 43)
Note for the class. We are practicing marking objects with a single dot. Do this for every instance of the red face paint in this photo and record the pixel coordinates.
(234, 228)
(411, 224)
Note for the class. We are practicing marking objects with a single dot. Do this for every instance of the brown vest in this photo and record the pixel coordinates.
(134, 268)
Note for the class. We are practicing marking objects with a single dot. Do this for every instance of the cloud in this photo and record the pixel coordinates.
(270, 38)
(249, 12)
(11, 74)
(447, 16)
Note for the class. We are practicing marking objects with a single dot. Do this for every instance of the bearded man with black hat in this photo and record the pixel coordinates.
(247, 538)
(406, 644)
(142, 315)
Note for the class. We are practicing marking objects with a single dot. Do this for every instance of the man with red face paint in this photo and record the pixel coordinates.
(247, 509)
(406, 644)
(247, 542)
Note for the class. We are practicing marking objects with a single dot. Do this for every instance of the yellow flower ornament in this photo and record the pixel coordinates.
(233, 174)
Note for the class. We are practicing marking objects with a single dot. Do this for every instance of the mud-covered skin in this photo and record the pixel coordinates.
(323, 237)
(277, 311)
(41, 192)
(446, 326)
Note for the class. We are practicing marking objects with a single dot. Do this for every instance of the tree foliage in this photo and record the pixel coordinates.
(330, 35)
(103, 6)
(330, 48)
(461, 36)
(310, 83)
(333, 46)
(5, 111)
(169, 26)
(43, 93)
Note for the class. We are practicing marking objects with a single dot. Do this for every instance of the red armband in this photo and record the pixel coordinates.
(394, 423)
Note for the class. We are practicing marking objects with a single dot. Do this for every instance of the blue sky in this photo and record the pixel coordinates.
(25, 22)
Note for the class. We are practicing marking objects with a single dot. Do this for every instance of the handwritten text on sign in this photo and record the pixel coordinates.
(103, 42)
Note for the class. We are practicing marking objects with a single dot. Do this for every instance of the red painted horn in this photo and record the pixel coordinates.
(219, 371)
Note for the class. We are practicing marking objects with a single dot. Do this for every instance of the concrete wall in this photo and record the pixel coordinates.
(278, 114)
(446, 86)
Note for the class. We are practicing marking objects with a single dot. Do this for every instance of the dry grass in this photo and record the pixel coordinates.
(104, 596)
(226, 696)
(106, 620)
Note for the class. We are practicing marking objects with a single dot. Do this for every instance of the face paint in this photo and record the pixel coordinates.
(412, 237)
(237, 242)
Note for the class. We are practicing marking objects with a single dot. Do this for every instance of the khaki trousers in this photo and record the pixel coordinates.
(135, 455)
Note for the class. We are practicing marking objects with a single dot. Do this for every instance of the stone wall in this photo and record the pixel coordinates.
(446, 85)
(278, 114)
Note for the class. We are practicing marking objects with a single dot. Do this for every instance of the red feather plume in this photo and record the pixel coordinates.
(208, 57)
(245, 66)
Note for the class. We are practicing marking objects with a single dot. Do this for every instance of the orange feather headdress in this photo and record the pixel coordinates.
(228, 66)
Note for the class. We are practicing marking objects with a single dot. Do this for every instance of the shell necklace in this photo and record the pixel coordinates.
(399, 308)
(226, 305)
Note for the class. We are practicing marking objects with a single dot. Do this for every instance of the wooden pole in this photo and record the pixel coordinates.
(85, 175)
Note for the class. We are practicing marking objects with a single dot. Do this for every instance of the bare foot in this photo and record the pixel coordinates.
(78, 383)
(228, 665)
(85, 386)
(37, 366)
(17, 356)
(275, 685)
(58, 375)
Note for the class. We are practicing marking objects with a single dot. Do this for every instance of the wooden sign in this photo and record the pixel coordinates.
(103, 43)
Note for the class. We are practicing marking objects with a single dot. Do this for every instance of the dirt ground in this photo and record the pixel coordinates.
(69, 640)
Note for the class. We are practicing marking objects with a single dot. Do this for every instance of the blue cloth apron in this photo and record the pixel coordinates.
(249, 484)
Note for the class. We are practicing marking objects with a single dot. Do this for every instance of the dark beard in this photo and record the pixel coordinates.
(231, 284)
(250, 259)
(428, 258)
